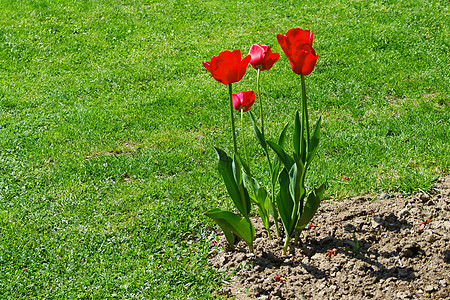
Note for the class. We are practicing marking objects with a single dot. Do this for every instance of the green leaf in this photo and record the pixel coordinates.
(263, 206)
(303, 151)
(311, 205)
(244, 165)
(237, 173)
(273, 210)
(294, 182)
(225, 167)
(250, 182)
(282, 137)
(232, 222)
(262, 196)
(276, 162)
(314, 143)
(275, 171)
(228, 233)
(301, 180)
(285, 159)
(259, 197)
(285, 203)
(259, 136)
(243, 193)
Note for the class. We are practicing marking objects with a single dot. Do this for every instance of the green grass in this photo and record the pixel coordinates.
(107, 122)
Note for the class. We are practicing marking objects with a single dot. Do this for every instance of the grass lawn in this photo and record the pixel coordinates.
(108, 118)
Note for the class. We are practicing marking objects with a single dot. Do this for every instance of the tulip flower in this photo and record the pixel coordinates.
(228, 67)
(243, 100)
(262, 57)
(297, 45)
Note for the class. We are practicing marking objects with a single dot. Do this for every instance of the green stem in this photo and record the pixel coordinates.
(258, 85)
(305, 111)
(250, 245)
(273, 203)
(244, 143)
(261, 114)
(297, 237)
(286, 244)
(250, 248)
(233, 128)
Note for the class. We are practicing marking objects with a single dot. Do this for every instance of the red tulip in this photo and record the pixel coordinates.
(262, 57)
(228, 67)
(297, 45)
(243, 100)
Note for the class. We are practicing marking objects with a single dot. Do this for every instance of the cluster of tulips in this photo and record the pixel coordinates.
(289, 197)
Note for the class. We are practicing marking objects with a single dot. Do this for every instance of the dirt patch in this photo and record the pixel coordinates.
(404, 252)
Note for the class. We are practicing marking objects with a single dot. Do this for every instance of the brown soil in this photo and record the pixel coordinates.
(404, 253)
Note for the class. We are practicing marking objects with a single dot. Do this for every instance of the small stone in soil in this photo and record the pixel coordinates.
(307, 251)
(349, 228)
(385, 196)
(410, 250)
(424, 197)
(430, 288)
(403, 213)
(376, 222)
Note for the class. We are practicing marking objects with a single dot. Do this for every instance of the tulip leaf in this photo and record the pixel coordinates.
(273, 210)
(244, 165)
(311, 205)
(303, 151)
(262, 196)
(275, 170)
(259, 135)
(229, 235)
(315, 139)
(294, 182)
(226, 166)
(250, 181)
(236, 167)
(285, 159)
(296, 175)
(263, 206)
(282, 137)
(245, 198)
(276, 161)
(259, 197)
(231, 222)
(285, 203)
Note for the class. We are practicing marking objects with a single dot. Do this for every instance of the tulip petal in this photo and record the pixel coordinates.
(282, 40)
(257, 54)
(270, 61)
(207, 65)
(309, 64)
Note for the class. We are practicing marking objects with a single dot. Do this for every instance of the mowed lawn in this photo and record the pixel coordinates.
(108, 119)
